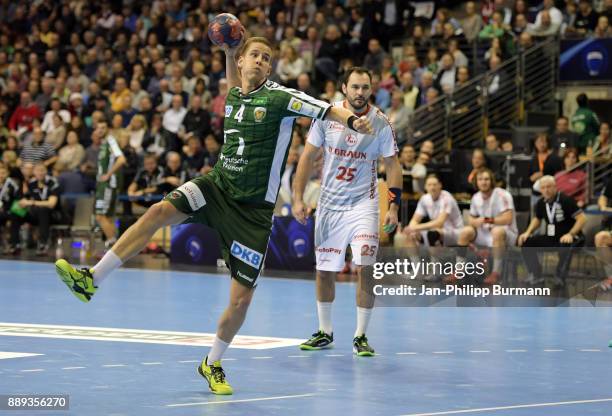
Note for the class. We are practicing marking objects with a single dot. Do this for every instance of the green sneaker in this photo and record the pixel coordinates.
(361, 347)
(318, 341)
(215, 376)
(80, 282)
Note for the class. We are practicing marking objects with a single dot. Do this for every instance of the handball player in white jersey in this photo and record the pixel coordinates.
(492, 223)
(444, 224)
(347, 211)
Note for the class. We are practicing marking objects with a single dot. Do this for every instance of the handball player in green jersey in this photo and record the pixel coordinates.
(236, 198)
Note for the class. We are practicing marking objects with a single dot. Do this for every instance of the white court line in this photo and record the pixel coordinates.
(479, 351)
(114, 365)
(34, 370)
(519, 406)
(553, 350)
(189, 361)
(298, 356)
(334, 355)
(590, 350)
(72, 368)
(152, 363)
(442, 352)
(516, 350)
(241, 401)
(260, 358)
(406, 353)
(228, 359)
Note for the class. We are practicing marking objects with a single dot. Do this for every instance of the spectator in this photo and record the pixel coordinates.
(584, 122)
(563, 139)
(289, 66)
(56, 135)
(543, 27)
(194, 156)
(38, 151)
(388, 74)
(137, 94)
(10, 193)
(572, 182)
(399, 116)
(26, 112)
(472, 22)
(602, 142)
(56, 108)
(544, 162)
(174, 174)
(145, 184)
(556, 17)
(520, 25)
(121, 90)
(603, 29)
(173, 120)
(40, 200)
(564, 223)
(374, 58)
(163, 99)
(382, 97)
(495, 28)
(586, 18)
(447, 76)
(137, 130)
(197, 120)
(332, 50)
(427, 82)
(412, 93)
(331, 93)
(70, 156)
(212, 153)
(479, 162)
(457, 54)
(304, 85)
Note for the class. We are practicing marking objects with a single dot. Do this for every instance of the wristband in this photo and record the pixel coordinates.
(395, 196)
(351, 121)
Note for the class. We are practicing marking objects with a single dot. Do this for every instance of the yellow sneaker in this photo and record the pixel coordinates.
(215, 376)
(80, 282)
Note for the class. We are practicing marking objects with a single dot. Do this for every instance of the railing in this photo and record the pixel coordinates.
(496, 98)
(597, 168)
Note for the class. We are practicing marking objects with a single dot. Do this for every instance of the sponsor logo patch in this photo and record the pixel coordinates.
(194, 195)
(350, 140)
(329, 250)
(295, 105)
(228, 110)
(174, 195)
(259, 113)
(244, 276)
(246, 255)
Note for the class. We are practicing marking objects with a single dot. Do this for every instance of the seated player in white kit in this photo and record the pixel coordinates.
(445, 221)
(347, 211)
(492, 223)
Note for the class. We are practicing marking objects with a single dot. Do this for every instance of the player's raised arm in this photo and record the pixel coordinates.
(231, 67)
(350, 120)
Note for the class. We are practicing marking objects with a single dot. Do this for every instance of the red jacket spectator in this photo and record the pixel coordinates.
(24, 114)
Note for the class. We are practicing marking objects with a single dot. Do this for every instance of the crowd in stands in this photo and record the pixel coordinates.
(149, 71)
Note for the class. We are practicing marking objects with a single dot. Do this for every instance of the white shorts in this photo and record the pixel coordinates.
(450, 236)
(484, 238)
(335, 230)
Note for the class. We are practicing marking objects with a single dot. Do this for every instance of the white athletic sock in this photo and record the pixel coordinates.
(363, 319)
(107, 265)
(324, 310)
(218, 349)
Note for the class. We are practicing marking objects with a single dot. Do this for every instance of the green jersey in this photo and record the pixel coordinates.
(109, 153)
(257, 132)
(586, 124)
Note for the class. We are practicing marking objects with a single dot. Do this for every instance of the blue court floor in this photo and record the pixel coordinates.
(433, 361)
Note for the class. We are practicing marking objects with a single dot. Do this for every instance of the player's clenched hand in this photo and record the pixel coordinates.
(233, 51)
(522, 238)
(362, 125)
(298, 209)
(391, 221)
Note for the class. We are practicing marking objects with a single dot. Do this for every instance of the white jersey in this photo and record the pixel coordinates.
(499, 202)
(350, 159)
(445, 203)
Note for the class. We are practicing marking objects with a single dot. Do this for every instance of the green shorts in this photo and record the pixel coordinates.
(244, 230)
(106, 198)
